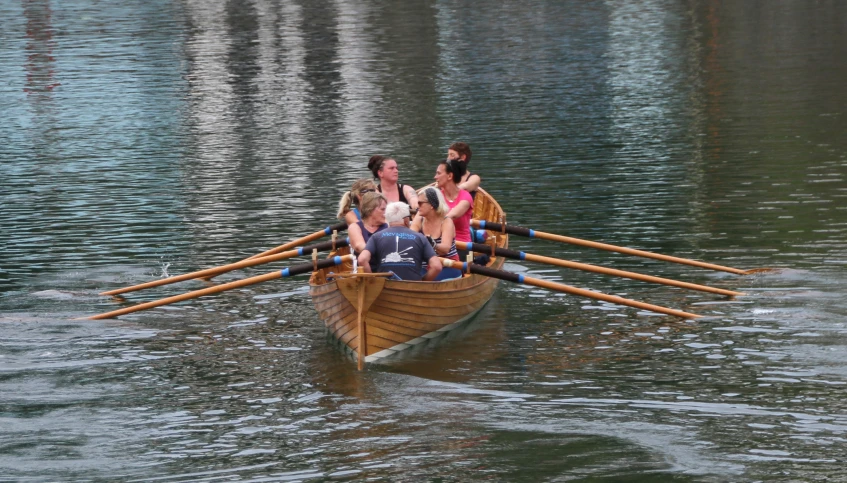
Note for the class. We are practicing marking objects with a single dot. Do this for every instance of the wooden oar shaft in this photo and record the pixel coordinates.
(288, 272)
(503, 252)
(187, 296)
(519, 230)
(211, 272)
(558, 287)
(306, 239)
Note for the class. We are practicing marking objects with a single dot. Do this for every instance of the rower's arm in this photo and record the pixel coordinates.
(411, 196)
(459, 209)
(365, 261)
(433, 268)
(472, 184)
(448, 234)
(357, 241)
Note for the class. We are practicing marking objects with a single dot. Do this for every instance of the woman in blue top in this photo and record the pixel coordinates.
(348, 207)
(373, 220)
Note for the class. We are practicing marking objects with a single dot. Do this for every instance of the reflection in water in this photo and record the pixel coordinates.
(40, 68)
(282, 50)
(653, 84)
(169, 136)
(40, 63)
(212, 115)
(358, 67)
(788, 99)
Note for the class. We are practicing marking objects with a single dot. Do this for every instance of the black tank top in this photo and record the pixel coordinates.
(402, 197)
(473, 193)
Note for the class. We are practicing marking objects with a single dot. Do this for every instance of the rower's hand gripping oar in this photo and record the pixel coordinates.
(215, 271)
(503, 252)
(558, 287)
(527, 232)
(288, 272)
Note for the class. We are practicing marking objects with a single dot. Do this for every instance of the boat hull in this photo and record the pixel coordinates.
(374, 317)
(404, 314)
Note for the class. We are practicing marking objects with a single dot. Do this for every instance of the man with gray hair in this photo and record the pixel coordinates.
(400, 250)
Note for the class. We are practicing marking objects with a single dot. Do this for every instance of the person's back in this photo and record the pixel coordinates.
(400, 250)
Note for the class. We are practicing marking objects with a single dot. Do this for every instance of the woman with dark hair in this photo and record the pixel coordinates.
(460, 203)
(432, 221)
(462, 152)
(373, 220)
(385, 170)
(348, 206)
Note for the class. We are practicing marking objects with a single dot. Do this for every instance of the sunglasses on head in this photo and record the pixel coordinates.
(367, 190)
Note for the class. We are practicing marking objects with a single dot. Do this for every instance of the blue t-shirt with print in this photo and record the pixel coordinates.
(400, 250)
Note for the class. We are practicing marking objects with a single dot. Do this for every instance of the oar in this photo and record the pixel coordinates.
(300, 241)
(213, 272)
(517, 278)
(503, 252)
(306, 239)
(527, 232)
(288, 272)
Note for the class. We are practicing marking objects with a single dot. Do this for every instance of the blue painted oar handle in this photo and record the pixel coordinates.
(339, 227)
(309, 267)
(502, 252)
(323, 246)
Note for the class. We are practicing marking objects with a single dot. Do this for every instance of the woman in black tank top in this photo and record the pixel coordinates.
(385, 170)
(462, 152)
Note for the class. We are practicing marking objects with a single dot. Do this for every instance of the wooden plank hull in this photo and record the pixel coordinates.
(404, 314)
(392, 316)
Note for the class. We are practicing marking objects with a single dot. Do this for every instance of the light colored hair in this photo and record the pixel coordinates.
(425, 193)
(396, 211)
(370, 202)
(349, 200)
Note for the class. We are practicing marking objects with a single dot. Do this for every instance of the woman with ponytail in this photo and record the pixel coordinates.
(351, 202)
(448, 175)
(462, 152)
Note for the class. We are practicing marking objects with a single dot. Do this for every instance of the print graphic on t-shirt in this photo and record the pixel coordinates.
(395, 256)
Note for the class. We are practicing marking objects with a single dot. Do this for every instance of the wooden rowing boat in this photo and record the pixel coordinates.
(374, 317)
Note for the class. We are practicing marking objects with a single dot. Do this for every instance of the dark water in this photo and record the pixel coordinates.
(140, 139)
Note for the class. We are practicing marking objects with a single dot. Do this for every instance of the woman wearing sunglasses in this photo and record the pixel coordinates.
(432, 221)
